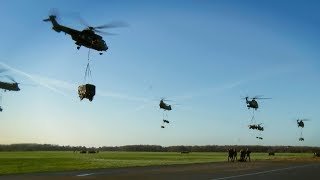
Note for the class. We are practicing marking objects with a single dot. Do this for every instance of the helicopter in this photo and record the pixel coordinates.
(253, 103)
(300, 122)
(86, 37)
(259, 138)
(7, 86)
(301, 139)
(164, 106)
(254, 126)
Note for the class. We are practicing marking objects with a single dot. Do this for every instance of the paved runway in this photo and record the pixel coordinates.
(211, 171)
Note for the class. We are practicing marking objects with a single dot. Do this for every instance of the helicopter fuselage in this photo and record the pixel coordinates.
(165, 106)
(300, 124)
(87, 37)
(252, 104)
(9, 86)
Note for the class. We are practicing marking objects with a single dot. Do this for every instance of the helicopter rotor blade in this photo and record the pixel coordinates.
(114, 24)
(104, 33)
(262, 98)
(82, 21)
(11, 78)
(258, 96)
(3, 70)
(34, 85)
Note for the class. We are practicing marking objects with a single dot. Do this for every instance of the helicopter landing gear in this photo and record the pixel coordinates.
(78, 47)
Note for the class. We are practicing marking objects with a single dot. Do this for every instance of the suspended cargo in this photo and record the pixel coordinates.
(87, 91)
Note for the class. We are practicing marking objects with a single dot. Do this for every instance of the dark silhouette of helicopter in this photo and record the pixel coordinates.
(259, 138)
(88, 36)
(164, 106)
(300, 122)
(301, 139)
(253, 103)
(14, 86)
(258, 127)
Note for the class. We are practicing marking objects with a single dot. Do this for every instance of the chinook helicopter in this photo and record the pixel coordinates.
(7, 86)
(86, 37)
(253, 103)
(300, 122)
(164, 106)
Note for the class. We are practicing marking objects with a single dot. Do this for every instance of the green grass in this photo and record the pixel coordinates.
(43, 161)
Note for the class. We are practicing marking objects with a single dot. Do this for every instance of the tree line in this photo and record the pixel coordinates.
(157, 148)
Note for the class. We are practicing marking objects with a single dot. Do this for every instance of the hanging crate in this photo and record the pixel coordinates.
(87, 91)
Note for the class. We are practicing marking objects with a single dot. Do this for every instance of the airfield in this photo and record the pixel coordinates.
(154, 165)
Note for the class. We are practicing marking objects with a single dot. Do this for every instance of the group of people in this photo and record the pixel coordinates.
(244, 155)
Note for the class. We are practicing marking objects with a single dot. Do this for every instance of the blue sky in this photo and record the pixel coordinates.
(204, 55)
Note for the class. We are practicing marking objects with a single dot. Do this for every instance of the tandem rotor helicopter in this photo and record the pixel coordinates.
(165, 106)
(8, 86)
(253, 103)
(88, 36)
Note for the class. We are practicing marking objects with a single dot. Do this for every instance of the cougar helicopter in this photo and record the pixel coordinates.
(300, 122)
(88, 36)
(253, 103)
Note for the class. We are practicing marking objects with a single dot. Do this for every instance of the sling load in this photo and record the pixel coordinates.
(87, 91)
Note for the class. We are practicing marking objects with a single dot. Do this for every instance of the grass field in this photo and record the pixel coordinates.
(27, 162)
